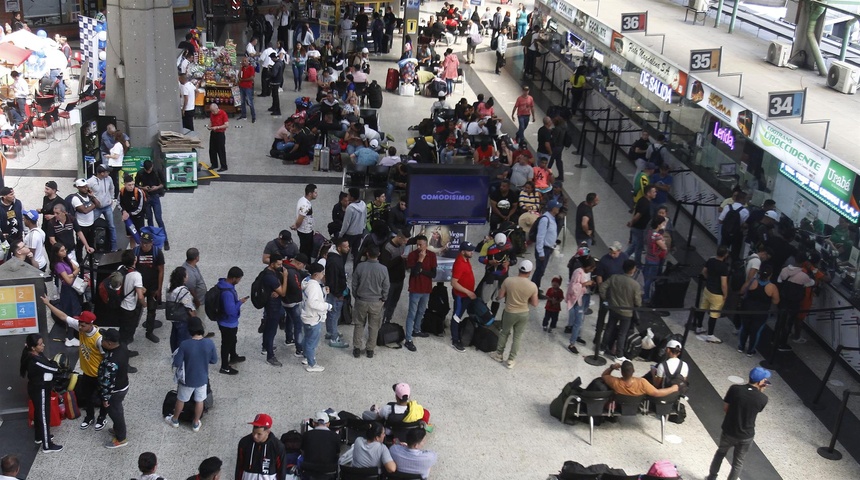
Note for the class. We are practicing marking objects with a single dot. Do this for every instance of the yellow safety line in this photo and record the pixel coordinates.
(213, 172)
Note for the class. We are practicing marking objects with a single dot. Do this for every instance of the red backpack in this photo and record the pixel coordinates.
(663, 469)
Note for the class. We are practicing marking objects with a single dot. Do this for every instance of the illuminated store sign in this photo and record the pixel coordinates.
(846, 208)
(725, 135)
(731, 113)
(655, 86)
(616, 69)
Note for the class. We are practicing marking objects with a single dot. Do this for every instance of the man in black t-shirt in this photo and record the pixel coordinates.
(282, 245)
(716, 273)
(361, 22)
(544, 147)
(743, 403)
(151, 180)
(585, 219)
(508, 208)
(639, 223)
(150, 264)
(320, 445)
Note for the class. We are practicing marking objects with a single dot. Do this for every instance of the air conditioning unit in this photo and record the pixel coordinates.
(698, 5)
(777, 53)
(843, 77)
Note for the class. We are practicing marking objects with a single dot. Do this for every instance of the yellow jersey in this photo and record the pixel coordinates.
(91, 355)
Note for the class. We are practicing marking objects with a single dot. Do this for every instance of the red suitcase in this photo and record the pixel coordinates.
(392, 80)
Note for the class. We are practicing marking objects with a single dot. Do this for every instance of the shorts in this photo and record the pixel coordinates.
(712, 301)
(183, 393)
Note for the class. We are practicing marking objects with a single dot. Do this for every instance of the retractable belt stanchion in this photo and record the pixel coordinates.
(829, 452)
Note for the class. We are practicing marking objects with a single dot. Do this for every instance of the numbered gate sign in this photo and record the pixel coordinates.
(705, 60)
(634, 22)
(785, 104)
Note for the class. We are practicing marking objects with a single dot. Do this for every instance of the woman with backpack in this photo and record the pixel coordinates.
(655, 252)
(66, 270)
(179, 295)
(761, 294)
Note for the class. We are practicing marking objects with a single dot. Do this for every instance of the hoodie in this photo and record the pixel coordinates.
(314, 306)
(261, 461)
(294, 284)
(354, 219)
(230, 304)
(335, 272)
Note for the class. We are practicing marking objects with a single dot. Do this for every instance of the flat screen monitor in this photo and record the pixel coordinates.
(447, 194)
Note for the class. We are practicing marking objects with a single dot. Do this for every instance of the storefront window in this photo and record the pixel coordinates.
(50, 12)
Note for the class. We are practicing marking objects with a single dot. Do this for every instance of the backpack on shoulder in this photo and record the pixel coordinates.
(259, 292)
(534, 230)
(110, 289)
(212, 303)
(731, 225)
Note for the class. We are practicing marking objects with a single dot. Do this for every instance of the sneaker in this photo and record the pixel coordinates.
(783, 348)
(356, 352)
(750, 354)
(114, 443)
(328, 336)
(52, 448)
(800, 340)
(152, 337)
(337, 344)
(621, 359)
(39, 442)
(289, 343)
(237, 359)
(170, 421)
(409, 346)
(712, 339)
(299, 354)
(572, 349)
(370, 354)
(510, 364)
(545, 328)
(73, 342)
(497, 357)
(459, 347)
(229, 371)
(700, 330)
(315, 368)
(166, 246)
(304, 361)
(740, 350)
(568, 329)
(195, 427)
(133, 353)
(86, 423)
(100, 423)
(580, 341)
(263, 350)
(132, 369)
(274, 362)
(420, 334)
(589, 312)
(549, 330)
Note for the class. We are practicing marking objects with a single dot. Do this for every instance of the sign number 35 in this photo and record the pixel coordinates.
(705, 60)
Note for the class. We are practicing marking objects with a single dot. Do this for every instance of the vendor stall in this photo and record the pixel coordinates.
(216, 72)
(11, 58)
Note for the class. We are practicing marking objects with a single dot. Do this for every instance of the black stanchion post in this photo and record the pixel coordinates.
(596, 137)
(814, 405)
(581, 148)
(606, 130)
(677, 212)
(691, 318)
(690, 247)
(596, 360)
(781, 320)
(829, 452)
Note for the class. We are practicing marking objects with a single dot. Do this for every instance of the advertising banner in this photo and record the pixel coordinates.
(447, 199)
(734, 114)
(652, 62)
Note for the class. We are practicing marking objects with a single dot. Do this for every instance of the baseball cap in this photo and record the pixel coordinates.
(86, 317)
(772, 214)
(262, 420)
(80, 183)
(321, 417)
(500, 239)
(33, 215)
(467, 247)
(110, 335)
(365, 50)
(51, 184)
(616, 246)
(146, 237)
(673, 344)
(552, 204)
(758, 374)
(402, 390)
(442, 95)
(526, 266)
(286, 235)
(650, 166)
(302, 258)
(374, 143)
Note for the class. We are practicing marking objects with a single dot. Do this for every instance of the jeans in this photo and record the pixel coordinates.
(360, 39)
(461, 306)
(248, 99)
(294, 325)
(271, 320)
(153, 208)
(417, 306)
(650, 272)
(575, 317)
(741, 447)
(312, 339)
(107, 212)
(517, 323)
(470, 51)
(333, 316)
(446, 157)
(369, 314)
(298, 71)
(117, 414)
(523, 121)
(228, 345)
(151, 304)
(637, 240)
(178, 334)
(450, 83)
(60, 89)
(394, 291)
(521, 29)
(616, 332)
(541, 263)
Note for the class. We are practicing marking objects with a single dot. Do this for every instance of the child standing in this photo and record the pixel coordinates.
(554, 296)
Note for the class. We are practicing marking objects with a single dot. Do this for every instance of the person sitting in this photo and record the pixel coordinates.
(439, 104)
(369, 451)
(543, 178)
(411, 458)
(529, 201)
(672, 370)
(424, 56)
(320, 445)
(484, 153)
(630, 385)
(391, 159)
(283, 139)
(401, 414)
(330, 105)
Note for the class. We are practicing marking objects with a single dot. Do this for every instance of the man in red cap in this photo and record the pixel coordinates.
(261, 454)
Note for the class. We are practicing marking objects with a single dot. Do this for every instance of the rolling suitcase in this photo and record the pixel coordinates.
(392, 80)
(383, 48)
(187, 413)
(324, 159)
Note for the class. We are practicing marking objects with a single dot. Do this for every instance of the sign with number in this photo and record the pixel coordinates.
(634, 22)
(18, 310)
(705, 60)
(785, 104)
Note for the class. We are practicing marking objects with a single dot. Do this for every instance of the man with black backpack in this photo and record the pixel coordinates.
(732, 222)
(672, 370)
(132, 299)
(150, 265)
(229, 309)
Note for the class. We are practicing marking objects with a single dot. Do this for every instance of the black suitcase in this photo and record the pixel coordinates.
(187, 413)
(485, 339)
(390, 335)
(467, 331)
(433, 323)
(383, 48)
(101, 242)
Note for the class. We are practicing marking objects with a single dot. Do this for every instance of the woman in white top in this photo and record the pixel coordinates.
(117, 152)
(179, 293)
(307, 36)
(351, 106)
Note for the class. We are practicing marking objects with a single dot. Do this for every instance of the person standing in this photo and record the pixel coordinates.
(193, 356)
(133, 296)
(113, 384)
(422, 270)
(639, 222)
(560, 132)
(370, 286)
(276, 81)
(218, 123)
(194, 281)
(35, 238)
(354, 221)
(577, 88)
(39, 372)
(450, 65)
(577, 290)
(304, 223)
(496, 22)
(314, 311)
(152, 182)
(524, 108)
(84, 203)
(260, 454)
(283, 20)
(547, 238)
(585, 219)
(519, 293)
(246, 88)
(11, 214)
(150, 264)
(275, 282)
(391, 255)
(293, 300)
(132, 202)
(361, 23)
(656, 250)
(716, 274)
(473, 38)
(335, 275)
(21, 90)
(103, 189)
(742, 405)
(463, 290)
(501, 49)
(497, 259)
(758, 295)
(228, 323)
(187, 97)
(544, 147)
(626, 294)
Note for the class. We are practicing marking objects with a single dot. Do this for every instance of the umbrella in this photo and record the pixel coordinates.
(13, 56)
(29, 40)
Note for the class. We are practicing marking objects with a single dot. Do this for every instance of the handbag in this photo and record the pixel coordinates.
(79, 285)
(175, 311)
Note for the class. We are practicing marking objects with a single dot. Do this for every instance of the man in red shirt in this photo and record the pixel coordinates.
(523, 109)
(246, 87)
(218, 123)
(422, 270)
(463, 286)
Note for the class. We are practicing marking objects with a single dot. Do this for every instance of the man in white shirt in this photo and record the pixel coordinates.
(133, 298)
(187, 94)
(346, 26)
(304, 223)
(22, 90)
(251, 49)
(266, 67)
(85, 205)
(672, 362)
(35, 238)
(10, 467)
(101, 186)
(284, 24)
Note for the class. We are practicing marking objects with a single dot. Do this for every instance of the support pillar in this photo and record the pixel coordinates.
(142, 87)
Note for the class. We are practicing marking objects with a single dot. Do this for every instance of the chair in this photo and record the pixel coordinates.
(403, 476)
(16, 139)
(594, 403)
(319, 471)
(361, 92)
(42, 122)
(460, 80)
(354, 176)
(664, 406)
(356, 473)
(377, 176)
(628, 405)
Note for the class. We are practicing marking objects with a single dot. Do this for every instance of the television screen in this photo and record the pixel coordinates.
(447, 194)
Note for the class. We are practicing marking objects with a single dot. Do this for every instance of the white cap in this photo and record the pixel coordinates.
(673, 344)
(526, 266)
(321, 417)
(80, 183)
(374, 143)
(500, 239)
(772, 214)
(365, 50)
